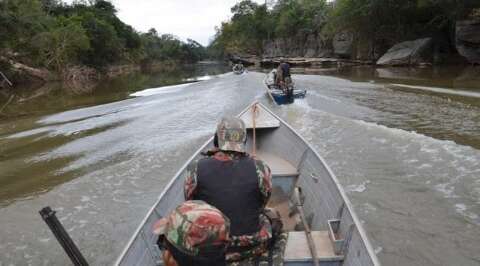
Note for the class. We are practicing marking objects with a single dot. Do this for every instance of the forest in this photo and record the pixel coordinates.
(379, 22)
(55, 35)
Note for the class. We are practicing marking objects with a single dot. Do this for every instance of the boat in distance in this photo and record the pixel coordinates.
(277, 94)
(238, 69)
(333, 234)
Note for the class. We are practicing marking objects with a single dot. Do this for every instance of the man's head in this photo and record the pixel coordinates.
(231, 134)
(195, 233)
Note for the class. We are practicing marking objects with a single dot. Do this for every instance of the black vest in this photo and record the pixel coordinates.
(232, 187)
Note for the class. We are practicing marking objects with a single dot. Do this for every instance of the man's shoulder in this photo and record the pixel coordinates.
(193, 164)
(262, 165)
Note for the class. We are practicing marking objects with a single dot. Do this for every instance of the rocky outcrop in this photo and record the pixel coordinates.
(468, 39)
(309, 46)
(343, 44)
(408, 53)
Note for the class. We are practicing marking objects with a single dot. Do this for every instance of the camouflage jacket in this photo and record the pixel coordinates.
(257, 241)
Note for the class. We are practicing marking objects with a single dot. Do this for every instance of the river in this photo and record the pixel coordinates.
(404, 143)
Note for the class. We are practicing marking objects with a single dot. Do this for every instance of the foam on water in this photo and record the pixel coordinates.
(357, 188)
(460, 92)
(445, 165)
(160, 90)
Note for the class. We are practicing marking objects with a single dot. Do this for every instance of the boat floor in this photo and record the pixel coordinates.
(280, 202)
(296, 250)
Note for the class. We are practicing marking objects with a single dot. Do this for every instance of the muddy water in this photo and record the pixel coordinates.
(403, 142)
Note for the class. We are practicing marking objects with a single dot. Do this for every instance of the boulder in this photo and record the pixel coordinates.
(408, 53)
(343, 43)
(468, 39)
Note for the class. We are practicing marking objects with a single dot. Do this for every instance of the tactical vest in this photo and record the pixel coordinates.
(231, 186)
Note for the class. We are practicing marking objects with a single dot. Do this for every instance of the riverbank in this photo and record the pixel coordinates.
(44, 98)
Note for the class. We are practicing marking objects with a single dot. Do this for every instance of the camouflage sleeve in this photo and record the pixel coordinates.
(190, 184)
(264, 180)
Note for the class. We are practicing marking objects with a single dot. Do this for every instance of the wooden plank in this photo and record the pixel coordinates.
(263, 119)
(278, 165)
(297, 247)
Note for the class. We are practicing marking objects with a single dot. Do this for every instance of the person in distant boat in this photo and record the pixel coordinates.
(238, 67)
(238, 185)
(284, 79)
(194, 234)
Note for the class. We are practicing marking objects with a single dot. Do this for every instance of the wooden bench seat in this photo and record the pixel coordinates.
(279, 166)
(297, 251)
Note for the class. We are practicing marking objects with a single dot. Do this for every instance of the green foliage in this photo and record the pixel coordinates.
(105, 45)
(61, 45)
(394, 21)
(54, 34)
(380, 21)
(169, 47)
(295, 16)
(252, 24)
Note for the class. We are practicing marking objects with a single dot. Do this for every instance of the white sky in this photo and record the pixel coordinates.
(194, 19)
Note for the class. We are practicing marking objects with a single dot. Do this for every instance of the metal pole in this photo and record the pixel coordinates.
(48, 215)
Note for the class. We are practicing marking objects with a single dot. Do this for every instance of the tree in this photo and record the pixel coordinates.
(62, 45)
(105, 46)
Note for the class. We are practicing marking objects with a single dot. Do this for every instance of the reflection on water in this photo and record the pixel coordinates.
(24, 133)
(52, 97)
(409, 157)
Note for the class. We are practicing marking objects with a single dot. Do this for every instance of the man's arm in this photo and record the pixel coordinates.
(264, 180)
(190, 185)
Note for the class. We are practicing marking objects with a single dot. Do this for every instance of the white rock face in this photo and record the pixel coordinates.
(407, 53)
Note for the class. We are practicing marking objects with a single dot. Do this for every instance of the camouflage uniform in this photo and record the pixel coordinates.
(194, 225)
(231, 137)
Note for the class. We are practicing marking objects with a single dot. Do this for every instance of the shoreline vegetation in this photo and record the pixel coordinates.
(352, 32)
(81, 43)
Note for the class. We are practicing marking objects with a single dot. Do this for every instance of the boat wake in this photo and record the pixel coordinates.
(459, 92)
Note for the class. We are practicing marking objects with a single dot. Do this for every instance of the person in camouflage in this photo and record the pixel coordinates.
(195, 233)
(238, 185)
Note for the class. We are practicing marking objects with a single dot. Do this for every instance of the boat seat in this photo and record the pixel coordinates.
(279, 166)
(297, 251)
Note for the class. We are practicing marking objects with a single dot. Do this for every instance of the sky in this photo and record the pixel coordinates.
(194, 19)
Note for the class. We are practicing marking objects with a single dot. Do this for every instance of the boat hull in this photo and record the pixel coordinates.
(282, 98)
(294, 163)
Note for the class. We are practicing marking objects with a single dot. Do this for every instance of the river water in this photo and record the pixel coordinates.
(404, 143)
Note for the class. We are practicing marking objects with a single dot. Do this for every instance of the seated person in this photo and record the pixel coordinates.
(194, 234)
(238, 185)
(284, 79)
